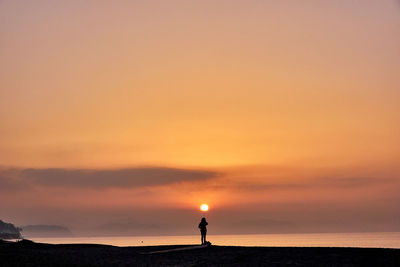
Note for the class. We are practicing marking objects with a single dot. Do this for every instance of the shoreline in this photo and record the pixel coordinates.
(364, 240)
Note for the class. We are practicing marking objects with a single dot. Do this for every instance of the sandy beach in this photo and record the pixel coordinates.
(28, 253)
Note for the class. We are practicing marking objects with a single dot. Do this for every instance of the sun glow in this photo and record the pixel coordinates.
(204, 207)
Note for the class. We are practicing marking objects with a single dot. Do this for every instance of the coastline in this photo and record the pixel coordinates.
(362, 240)
(28, 253)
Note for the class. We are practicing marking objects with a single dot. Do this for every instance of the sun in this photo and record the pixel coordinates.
(204, 207)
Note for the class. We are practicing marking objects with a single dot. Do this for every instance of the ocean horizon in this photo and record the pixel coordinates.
(364, 240)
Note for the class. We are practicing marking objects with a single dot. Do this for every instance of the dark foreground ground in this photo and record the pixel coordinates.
(27, 253)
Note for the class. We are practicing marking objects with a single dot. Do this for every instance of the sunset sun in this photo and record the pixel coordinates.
(204, 207)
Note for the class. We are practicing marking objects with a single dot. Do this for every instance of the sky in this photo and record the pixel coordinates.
(123, 117)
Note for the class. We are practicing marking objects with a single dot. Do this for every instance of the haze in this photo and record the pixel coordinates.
(122, 117)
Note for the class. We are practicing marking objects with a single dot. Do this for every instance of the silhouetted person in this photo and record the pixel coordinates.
(203, 230)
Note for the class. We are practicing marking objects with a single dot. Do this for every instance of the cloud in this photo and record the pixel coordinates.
(310, 183)
(354, 181)
(7, 184)
(99, 179)
(9, 180)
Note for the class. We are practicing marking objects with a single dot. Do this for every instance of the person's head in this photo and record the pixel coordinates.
(203, 219)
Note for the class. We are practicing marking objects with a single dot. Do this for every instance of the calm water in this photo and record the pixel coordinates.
(378, 240)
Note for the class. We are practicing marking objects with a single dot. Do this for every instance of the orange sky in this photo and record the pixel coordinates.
(275, 104)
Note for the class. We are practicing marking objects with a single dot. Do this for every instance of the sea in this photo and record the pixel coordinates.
(365, 240)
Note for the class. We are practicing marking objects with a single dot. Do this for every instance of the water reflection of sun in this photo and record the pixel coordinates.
(204, 207)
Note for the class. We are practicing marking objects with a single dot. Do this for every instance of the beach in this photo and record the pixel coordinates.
(28, 253)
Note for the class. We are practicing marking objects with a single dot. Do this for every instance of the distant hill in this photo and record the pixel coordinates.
(9, 231)
(46, 231)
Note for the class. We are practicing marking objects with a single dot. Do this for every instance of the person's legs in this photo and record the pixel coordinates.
(203, 237)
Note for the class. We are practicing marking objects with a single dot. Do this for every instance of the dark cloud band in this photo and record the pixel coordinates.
(88, 178)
